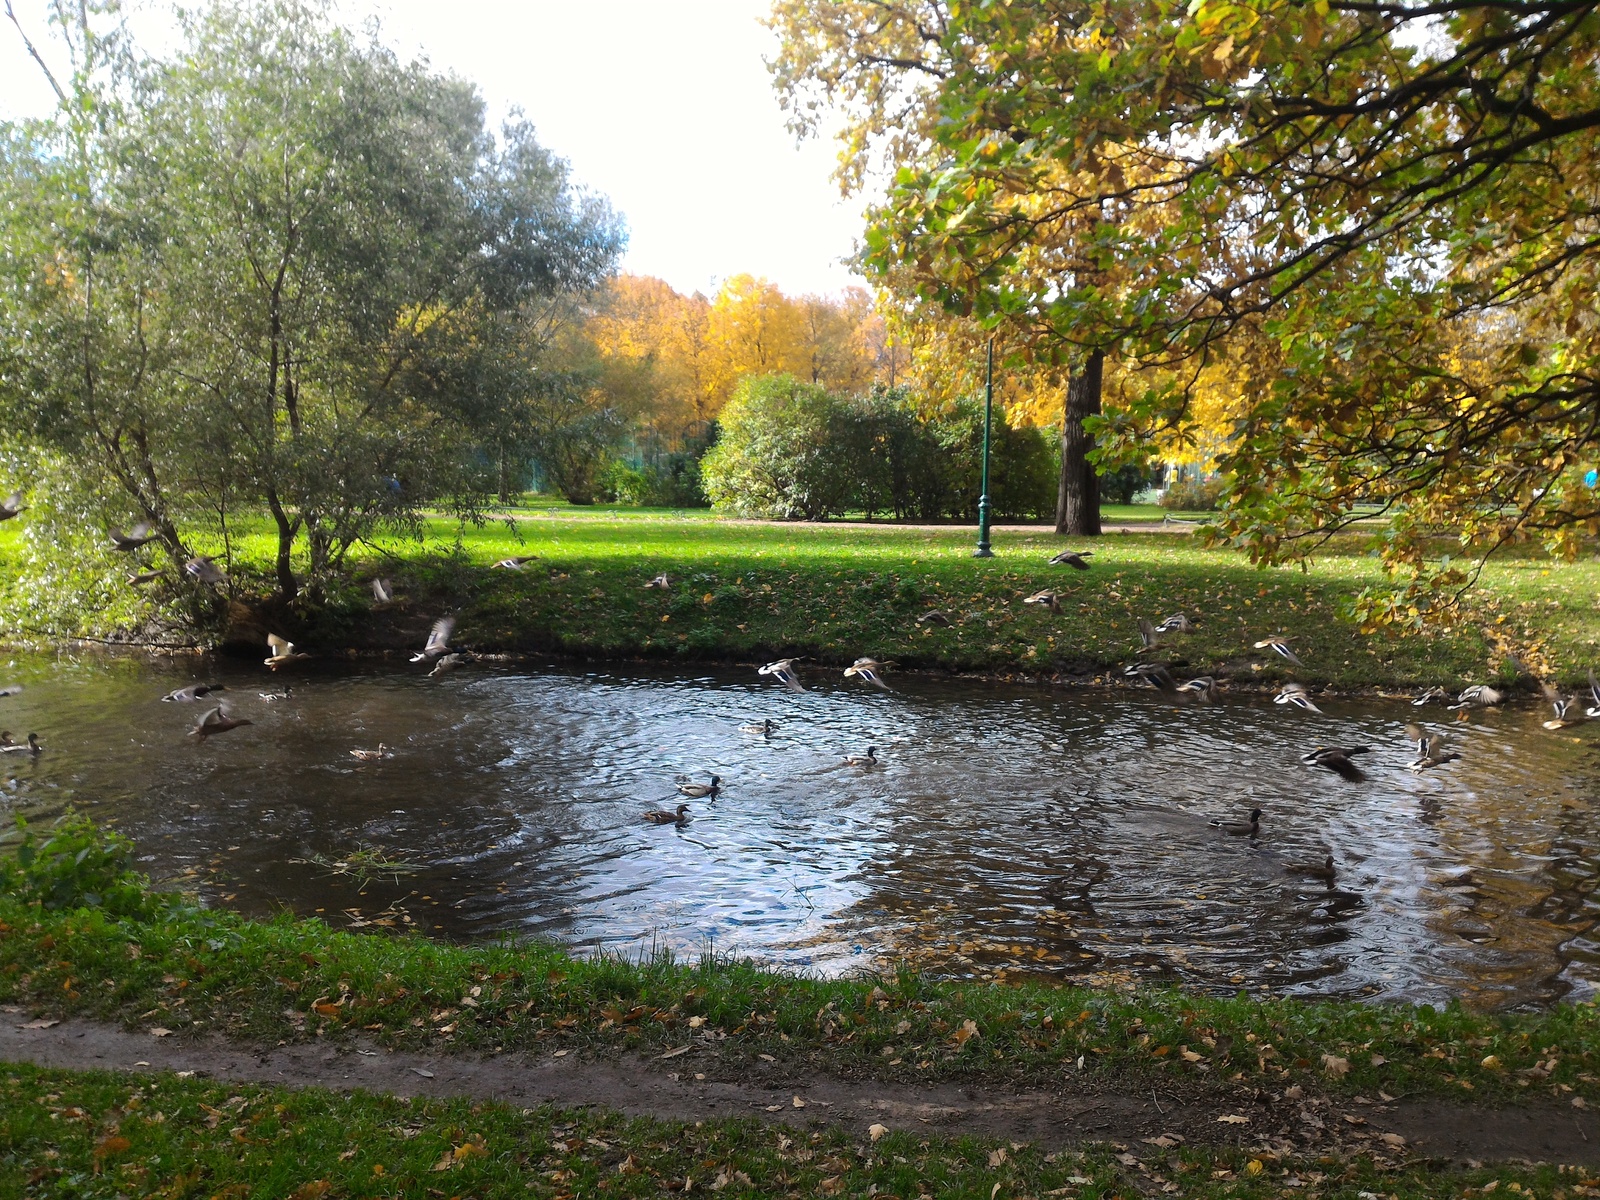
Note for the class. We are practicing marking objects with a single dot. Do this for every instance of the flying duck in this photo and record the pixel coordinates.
(216, 721)
(1203, 689)
(866, 670)
(1568, 712)
(203, 570)
(281, 652)
(1280, 647)
(271, 697)
(1155, 674)
(140, 578)
(1045, 599)
(514, 563)
(1176, 623)
(382, 591)
(1336, 759)
(1429, 696)
(1479, 695)
(933, 617)
(659, 583)
(449, 662)
(783, 671)
(1431, 751)
(12, 506)
(438, 640)
(1251, 828)
(193, 692)
(660, 816)
(1149, 637)
(1073, 558)
(1297, 695)
(127, 543)
(701, 790)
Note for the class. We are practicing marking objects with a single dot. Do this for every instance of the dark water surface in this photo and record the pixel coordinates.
(1011, 830)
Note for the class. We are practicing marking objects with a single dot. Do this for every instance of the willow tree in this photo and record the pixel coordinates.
(1399, 196)
(273, 272)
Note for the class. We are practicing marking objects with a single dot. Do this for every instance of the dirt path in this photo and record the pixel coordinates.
(696, 1085)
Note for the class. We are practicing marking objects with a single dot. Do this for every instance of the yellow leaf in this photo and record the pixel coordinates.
(1491, 1061)
(1233, 1119)
(1225, 51)
(877, 1131)
(1254, 1167)
(1335, 1066)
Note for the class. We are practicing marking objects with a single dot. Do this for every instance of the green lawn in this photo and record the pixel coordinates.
(744, 591)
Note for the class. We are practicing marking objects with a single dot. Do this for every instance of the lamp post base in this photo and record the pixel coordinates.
(983, 552)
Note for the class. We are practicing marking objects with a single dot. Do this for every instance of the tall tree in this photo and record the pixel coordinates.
(295, 261)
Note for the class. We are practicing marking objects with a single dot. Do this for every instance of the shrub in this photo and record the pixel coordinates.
(1192, 495)
(80, 865)
(775, 457)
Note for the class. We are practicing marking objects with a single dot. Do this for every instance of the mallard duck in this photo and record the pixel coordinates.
(1279, 646)
(449, 662)
(784, 672)
(1203, 689)
(1479, 695)
(1325, 870)
(1076, 559)
(1336, 759)
(35, 746)
(203, 570)
(1176, 623)
(438, 640)
(764, 728)
(382, 591)
(127, 543)
(1045, 599)
(140, 578)
(273, 697)
(1431, 751)
(11, 507)
(1566, 707)
(701, 790)
(933, 617)
(281, 652)
(1429, 696)
(1155, 674)
(515, 563)
(869, 759)
(11, 689)
(31, 746)
(866, 670)
(660, 816)
(1149, 637)
(1297, 695)
(660, 583)
(381, 752)
(193, 692)
(1249, 828)
(216, 721)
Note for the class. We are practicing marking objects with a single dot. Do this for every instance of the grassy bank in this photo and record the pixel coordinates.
(94, 1134)
(747, 592)
(188, 969)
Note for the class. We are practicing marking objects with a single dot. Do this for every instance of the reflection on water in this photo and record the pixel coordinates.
(1011, 830)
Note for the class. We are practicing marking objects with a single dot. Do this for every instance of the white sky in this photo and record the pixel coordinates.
(665, 106)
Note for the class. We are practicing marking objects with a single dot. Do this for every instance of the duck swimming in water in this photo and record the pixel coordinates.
(660, 816)
(869, 759)
(764, 728)
(701, 790)
(1251, 828)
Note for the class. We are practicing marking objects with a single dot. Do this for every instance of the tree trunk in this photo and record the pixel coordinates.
(1078, 501)
(288, 586)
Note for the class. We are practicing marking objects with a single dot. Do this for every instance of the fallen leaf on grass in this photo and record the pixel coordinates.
(996, 1158)
(799, 1103)
(38, 1025)
(1233, 1119)
(1166, 1141)
(876, 1131)
(1335, 1066)
(115, 1144)
(160, 1031)
(1391, 1139)
(314, 1190)
(1491, 1062)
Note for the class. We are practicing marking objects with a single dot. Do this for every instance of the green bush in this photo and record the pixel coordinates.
(80, 865)
(776, 457)
(1192, 495)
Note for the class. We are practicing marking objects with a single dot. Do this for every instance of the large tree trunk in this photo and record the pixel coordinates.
(1078, 501)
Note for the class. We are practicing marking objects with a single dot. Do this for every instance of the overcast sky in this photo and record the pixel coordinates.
(666, 107)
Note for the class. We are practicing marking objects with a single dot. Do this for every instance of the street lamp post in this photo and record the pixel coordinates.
(983, 550)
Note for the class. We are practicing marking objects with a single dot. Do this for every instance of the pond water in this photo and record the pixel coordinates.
(1010, 831)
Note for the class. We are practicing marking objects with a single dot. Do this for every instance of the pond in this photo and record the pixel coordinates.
(1010, 831)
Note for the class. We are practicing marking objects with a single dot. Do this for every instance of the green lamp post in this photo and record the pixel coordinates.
(983, 550)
